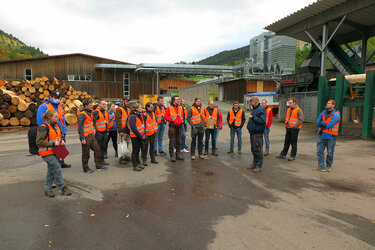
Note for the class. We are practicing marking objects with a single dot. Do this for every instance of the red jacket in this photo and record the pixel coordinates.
(167, 117)
(270, 118)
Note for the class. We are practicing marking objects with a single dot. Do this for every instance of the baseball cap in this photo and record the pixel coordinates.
(55, 94)
(125, 98)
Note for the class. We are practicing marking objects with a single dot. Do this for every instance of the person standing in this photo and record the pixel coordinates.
(213, 113)
(236, 119)
(112, 128)
(256, 127)
(293, 123)
(101, 121)
(269, 114)
(159, 110)
(54, 103)
(183, 140)
(328, 124)
(48, 137)
(137, 134)
(175, 116)
(86, 132)
(121, 118)
(151, 130)
(197, 119)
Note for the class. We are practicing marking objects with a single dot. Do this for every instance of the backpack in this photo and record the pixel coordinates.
(31, 136)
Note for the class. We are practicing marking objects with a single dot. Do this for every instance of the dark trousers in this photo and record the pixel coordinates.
(197, 133)
(175, 136)
(212, 133)
(148, 144)
(137, 145)
(91, 143)
(112, 135)
(256, 149)
(291, 138)
(102, 138)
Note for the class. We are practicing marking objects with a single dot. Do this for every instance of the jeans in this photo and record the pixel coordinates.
(212, 133)
(149, 143)
(256, 149)
(102, 138)
(197, 132)
(159, 137)
(320, 147)
(266, 138)
(291, 138)
(53, 173)
(239, 137)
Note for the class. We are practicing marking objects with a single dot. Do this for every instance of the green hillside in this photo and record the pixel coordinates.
(12, 48)
(227, 57)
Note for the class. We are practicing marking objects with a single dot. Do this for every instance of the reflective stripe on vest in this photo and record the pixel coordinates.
(292, 119)
(60, 111)
(173, 114)
(159, 113)
(140, 127)
(335, 129)
(213, 116)
(124, 116)
(110, 123)
(53, 134)
(88, 125)
(151, 125)
(102, 121)
(197, 116)
(237, 119)
(268, 111)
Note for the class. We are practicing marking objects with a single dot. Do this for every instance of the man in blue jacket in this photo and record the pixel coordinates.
(328, 125)
(53, 103)
(256, 127)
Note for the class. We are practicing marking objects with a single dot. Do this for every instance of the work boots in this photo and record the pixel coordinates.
(50, 194)
(137, 168)
(179, 157)
(266, 153)
(214, 152)
(205, 152)
(65, 191)
(173, 158)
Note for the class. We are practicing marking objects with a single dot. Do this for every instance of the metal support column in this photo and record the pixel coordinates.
(368, 105)
(157, 83)
(323, 60)
(322, 94)
(339, 95)
(364, 52)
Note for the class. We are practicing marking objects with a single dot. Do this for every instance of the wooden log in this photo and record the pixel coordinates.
(15, 100)
(2, 87)
(71, 97)
(46, 93)
(13, 121)
(12, 108)
(4, 122)
(25, 121)
(71, 119)
(66, 110)
(27, 93)
(1, 99)
(45, 87)
(4, 105)
(32, 90)
(22, 106)
(51, 87)
(37, 79)
(1, 116)
(2, 82)
(41, 97)
(72, 108)
(24, 89)
(44, 78)
(7, 98)
(19, 115)
(78, 104)
(22, 96)
(68, 101)
(28, 113)
(32, 106)
(28, 99)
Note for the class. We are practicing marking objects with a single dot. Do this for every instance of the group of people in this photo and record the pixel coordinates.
(145, 130)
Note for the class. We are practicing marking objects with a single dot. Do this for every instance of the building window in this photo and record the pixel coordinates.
(88, 78)
(76, 78)
(28, 74)
(70, 77)
(126, 84)
(83, 78)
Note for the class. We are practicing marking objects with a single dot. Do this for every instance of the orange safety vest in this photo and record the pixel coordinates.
(53, 134)
(110, 123)
(159, 113)
(151, 124)
(102, 121)
(173, 114)
(268, 111)
(60, 111)
(88, 125)
(292, 119)
(237, 119)
(335, 129)
(196, 117)
(140, 126)
(214, 115)
(185, 112)
(124, 116)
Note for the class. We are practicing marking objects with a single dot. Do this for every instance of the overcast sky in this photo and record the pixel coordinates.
(141, 30)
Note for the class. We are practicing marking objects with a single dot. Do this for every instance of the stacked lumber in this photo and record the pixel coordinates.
(19, 100)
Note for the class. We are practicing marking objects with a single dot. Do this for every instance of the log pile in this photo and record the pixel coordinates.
(19, 100)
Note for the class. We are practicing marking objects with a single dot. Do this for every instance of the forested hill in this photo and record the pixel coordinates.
(227, 57)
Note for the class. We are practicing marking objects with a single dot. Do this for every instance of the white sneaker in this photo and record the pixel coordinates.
(185, 150)
(174, 150)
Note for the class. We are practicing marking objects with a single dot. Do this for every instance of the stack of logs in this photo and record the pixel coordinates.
(19, 100)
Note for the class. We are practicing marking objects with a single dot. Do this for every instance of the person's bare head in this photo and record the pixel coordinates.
(183, 102)
(149, 106)
(125, 101)
(51, 115)
(160, 100)
(264, 103)
(111, 107)
(197, 101)
(254, 101)
(87, 103)
(102, 104)
(331, 104)
(236, 104)
(292, 102)
(175, 100)
(211, 104)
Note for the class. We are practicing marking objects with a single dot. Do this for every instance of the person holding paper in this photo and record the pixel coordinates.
(49, 136)
(212, 124)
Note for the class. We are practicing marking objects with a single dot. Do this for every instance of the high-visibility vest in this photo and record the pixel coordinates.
(88, 125)
(196, 116)
(140, 126)
(185, 112)
(102, 121)
(214, 115)
(151, 124)
(236, 119)
(53, 134)
(335, 129)
(159, 113)
(268, 111)
(110, 122)
(173, 114)
(60, 111)
(124, 116)
(292, 119)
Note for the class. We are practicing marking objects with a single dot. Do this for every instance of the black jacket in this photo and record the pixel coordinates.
(257, 123)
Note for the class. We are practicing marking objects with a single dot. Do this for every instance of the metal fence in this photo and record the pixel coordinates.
(308, 101)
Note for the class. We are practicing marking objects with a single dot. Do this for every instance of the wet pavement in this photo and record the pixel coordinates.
(215, 203)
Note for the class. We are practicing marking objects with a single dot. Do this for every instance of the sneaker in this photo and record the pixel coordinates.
(214, 152)
(185, 150)
(103, 168)
(328, 168)
(257, 170)
(193, 157)
(137, 168)
(116, 155)
(66, 191)
(230, 151)
(50, 194)
(291, 159)
(239, 152)
(266, 153)
(206, 152)
(154, 162)
(323, 170)
(317, 169)
(162, 153)
(64, 165)
(202, 157)
(145, 163)
(281, 157)
(89, 171)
